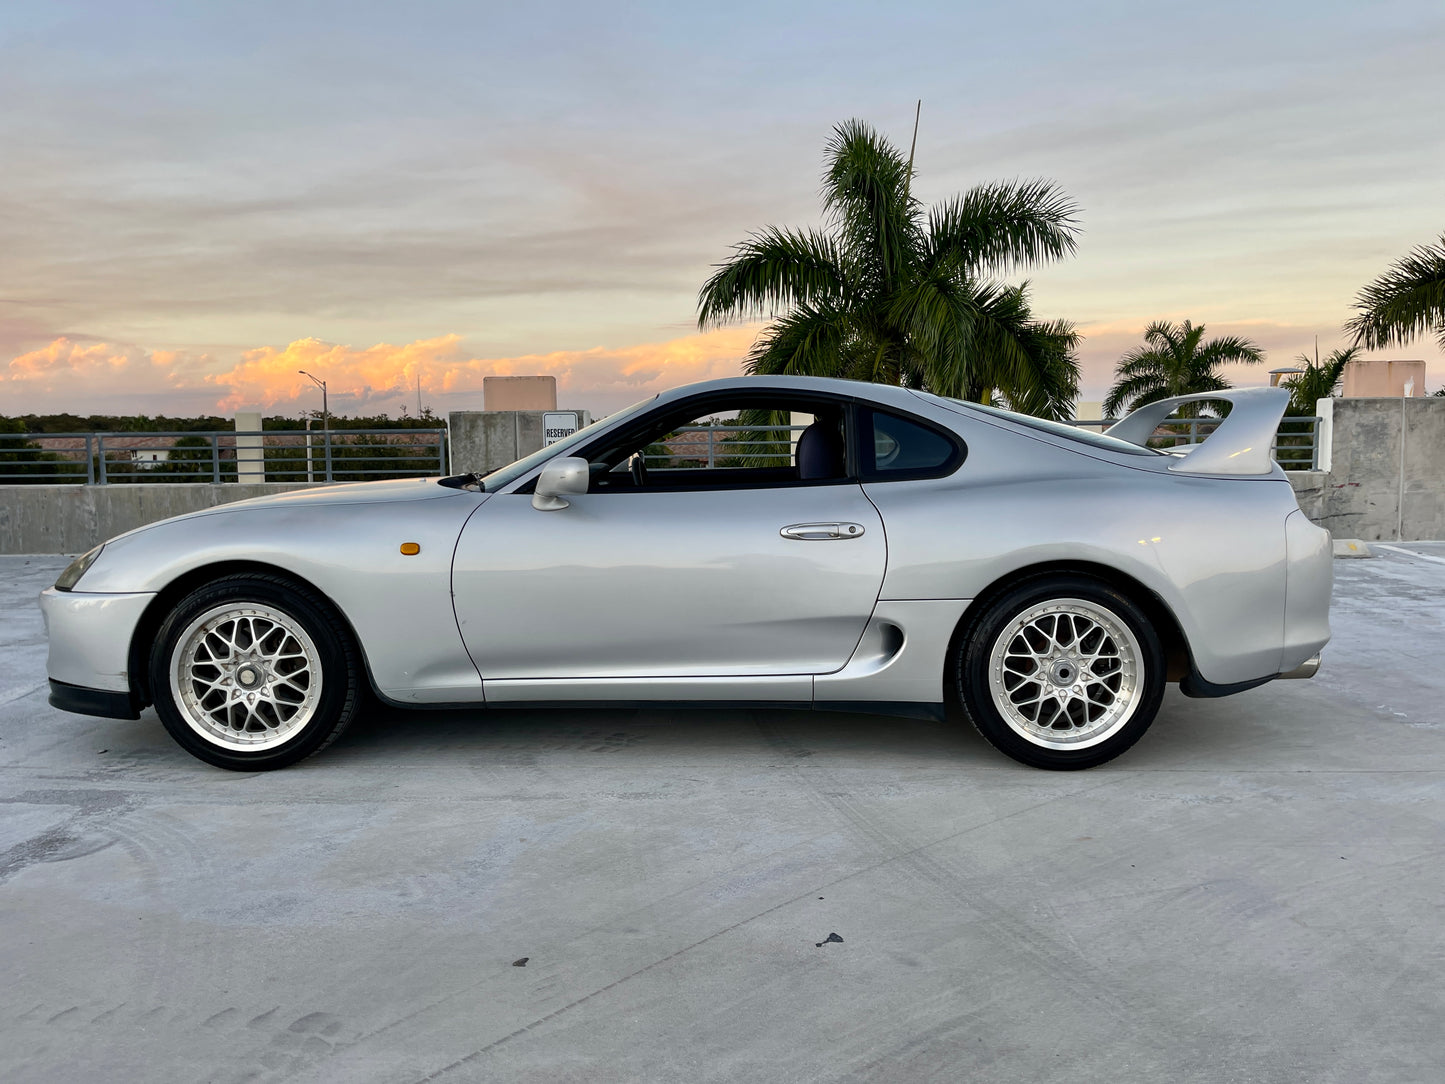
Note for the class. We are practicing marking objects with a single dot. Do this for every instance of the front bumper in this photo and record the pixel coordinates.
(82, 701)
(90, 637)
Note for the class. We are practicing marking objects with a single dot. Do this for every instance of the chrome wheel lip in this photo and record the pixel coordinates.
(293, 710)
(1060, 664)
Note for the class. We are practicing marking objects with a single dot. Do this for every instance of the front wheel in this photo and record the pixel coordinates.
(252, 673)
(1062, 672)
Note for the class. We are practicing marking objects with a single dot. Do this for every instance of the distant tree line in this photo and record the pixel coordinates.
(208, 423)
(191, 458)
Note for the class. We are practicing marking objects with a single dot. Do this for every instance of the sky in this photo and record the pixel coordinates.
(197, 200)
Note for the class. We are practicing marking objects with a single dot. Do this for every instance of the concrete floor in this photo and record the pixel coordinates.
(1254, 893)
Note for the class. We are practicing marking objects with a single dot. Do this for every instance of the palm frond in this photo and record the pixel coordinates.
(1176, 361)
(1406, 301)
(1318, 381)
(808, 341)
(772, 270)
(994, 227)
(1053, 386)
(1229, 350)
(865, 193)
(1132, 392)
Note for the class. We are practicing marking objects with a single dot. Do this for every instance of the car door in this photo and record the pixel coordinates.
(628, 584)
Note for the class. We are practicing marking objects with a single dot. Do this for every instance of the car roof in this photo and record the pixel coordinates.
(857, 389)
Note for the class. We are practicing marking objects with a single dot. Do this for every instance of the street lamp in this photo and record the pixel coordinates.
(325, 419)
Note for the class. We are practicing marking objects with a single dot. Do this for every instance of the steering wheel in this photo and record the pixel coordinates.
(639, 471)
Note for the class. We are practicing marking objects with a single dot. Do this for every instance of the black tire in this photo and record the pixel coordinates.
(286, 693)
(1065, 734)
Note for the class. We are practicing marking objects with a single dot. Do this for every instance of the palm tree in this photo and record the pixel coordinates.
(1406, 301)
(1318, 380)
(892, 293)
(1175, 360)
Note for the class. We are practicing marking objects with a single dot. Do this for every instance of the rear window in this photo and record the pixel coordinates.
(1058, 429)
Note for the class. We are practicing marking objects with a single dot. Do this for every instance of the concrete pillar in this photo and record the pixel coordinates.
(482, 441)
(250, 459)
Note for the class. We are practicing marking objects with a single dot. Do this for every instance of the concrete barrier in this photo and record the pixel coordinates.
(73, 518)
(1382, 469)
(485, 440)
(1382, 477)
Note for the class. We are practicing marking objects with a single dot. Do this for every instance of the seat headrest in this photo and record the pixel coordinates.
(820, 452)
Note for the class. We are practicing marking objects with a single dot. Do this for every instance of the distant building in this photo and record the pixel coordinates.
(519, 393)
(1372, 378)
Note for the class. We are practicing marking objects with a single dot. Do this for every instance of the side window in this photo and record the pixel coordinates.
(895, 447)
(725, 442)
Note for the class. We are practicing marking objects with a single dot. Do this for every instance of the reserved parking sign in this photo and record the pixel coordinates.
(557, 424)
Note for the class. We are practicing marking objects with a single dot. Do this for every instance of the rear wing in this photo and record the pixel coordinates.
(1242, 443)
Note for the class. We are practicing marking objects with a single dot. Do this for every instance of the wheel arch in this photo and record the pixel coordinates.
(154, 616)
(1180, 661)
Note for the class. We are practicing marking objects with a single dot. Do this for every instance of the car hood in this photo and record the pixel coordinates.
(389, 490)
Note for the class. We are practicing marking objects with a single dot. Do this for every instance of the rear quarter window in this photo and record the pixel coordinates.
(895, 447)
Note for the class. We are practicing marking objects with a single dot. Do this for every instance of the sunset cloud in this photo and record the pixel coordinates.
(66, 359)
(83, 377)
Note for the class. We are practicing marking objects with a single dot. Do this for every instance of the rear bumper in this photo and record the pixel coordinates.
(83, 701)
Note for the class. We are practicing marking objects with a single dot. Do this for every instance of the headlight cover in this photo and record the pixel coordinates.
(77, 568)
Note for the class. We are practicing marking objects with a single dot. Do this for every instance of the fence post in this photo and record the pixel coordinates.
(327, 438)
(709, 446)
(216, 458)
(89, 462)
(100, 446)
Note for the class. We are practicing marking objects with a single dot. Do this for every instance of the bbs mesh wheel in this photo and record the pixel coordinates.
(252, 673)
(1061, 672)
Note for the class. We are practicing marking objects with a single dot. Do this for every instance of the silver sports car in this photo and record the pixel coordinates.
(859, 548)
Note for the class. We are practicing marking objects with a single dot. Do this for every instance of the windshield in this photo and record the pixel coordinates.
(1058, 429)
(512, 471)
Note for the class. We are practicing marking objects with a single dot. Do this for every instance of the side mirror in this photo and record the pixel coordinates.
(559, 479)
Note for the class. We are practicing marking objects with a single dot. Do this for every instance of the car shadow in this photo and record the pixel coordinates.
(509, 733)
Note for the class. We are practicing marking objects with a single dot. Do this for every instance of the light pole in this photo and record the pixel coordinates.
(325, 420)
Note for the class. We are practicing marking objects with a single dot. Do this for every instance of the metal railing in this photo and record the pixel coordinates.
(1295, 447)
(284, 455)
(723, 446)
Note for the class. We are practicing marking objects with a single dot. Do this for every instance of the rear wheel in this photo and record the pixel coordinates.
(1062, 672)
(252, 673)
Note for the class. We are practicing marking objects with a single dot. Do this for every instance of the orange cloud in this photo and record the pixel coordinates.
(67, 375)
(268, 376)
(64, 355)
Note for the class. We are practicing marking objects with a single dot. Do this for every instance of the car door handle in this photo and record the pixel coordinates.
(816, 532)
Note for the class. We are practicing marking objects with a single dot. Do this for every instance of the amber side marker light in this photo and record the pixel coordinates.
(410, 549)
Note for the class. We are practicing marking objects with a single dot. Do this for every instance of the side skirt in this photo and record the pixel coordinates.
(99, 702)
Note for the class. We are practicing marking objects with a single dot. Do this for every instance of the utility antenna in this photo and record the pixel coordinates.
(418, 392)
(908, 180)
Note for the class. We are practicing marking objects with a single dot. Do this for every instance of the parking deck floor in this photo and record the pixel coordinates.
(1252, 894)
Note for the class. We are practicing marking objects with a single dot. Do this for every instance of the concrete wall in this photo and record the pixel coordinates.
(484, 440)
(73, 518)
(1382, 470)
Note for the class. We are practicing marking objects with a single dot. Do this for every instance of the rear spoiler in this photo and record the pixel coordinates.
(1242, 443)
